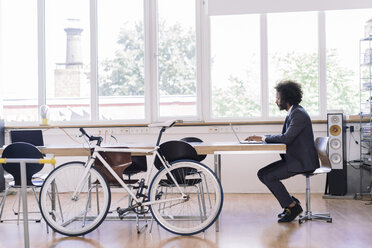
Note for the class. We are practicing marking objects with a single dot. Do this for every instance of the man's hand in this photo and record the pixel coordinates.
(254, 138)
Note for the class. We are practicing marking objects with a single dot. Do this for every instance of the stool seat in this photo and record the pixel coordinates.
(320, 170)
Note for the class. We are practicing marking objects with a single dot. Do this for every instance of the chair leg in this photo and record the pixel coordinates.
(152, 217)
(3, 203)
(19, 205)
(206, 185)
(17, 201)
(17, 198)
(37, 203)
(308, 214)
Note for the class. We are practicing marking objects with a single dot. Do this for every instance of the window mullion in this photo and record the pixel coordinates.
(199, 67)
(151, 78)
(93, 61)
(41, 53)
(322, 64)
(205, 53)
(264, 67)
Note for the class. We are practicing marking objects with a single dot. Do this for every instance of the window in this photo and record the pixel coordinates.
(235, 66)
(293, 54)
(18, 60)
(343, 58)
(177, 58)
(67, 55)
(127, 61)
(121, 60)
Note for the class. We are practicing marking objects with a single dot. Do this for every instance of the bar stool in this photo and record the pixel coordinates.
(321, 145)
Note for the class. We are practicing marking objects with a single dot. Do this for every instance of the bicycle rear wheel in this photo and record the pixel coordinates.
(197, 209)
(74, 217)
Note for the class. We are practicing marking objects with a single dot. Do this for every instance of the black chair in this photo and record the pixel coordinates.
(21, 150)
(191, 140)
(139, 164)
(177, 150)
(34, 137)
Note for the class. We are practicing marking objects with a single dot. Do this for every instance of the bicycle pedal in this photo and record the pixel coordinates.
(122, 211)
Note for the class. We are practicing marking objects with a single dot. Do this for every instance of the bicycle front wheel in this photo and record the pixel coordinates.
(191, 206)
(74, 216)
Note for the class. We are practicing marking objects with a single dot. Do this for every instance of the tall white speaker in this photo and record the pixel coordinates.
(335, 123)
(336, 179)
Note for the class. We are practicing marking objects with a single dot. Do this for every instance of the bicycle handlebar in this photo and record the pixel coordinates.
(164, 126)
(99, 139)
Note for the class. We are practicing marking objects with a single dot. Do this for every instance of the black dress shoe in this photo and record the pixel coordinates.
(281, 215)
(291, 213)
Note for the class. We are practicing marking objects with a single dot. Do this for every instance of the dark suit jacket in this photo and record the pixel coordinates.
(301, 155)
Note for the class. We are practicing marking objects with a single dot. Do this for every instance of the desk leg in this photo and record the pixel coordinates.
(217, 170)
(24, 202)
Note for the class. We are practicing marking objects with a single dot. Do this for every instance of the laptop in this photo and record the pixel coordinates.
(34, 137)
(244, 141)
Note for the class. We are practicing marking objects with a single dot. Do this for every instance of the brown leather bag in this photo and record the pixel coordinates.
(118, 161)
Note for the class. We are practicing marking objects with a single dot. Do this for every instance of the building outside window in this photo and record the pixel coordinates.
(67, 53)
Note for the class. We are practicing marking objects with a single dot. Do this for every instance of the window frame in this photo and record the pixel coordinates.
(151, 85)
(264, 75)
(203, 77)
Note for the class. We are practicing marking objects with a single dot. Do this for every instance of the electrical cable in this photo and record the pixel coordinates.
(354, 161)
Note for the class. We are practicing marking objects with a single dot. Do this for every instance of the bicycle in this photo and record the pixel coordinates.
(185, 197)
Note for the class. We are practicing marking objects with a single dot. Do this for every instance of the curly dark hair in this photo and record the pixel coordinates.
(289, 91)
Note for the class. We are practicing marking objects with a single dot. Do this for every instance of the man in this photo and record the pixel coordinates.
(301, 155)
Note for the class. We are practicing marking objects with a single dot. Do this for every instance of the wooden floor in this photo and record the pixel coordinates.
(247, 220)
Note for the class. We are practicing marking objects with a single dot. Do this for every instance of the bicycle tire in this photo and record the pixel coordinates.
(74, 217)
(202, 205)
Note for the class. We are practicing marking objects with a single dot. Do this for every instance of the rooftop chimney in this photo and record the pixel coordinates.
(73, 47)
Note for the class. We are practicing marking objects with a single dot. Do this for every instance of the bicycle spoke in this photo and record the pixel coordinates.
(203, 200)
(74, 215)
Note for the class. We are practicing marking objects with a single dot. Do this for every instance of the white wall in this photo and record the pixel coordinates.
(238, 171)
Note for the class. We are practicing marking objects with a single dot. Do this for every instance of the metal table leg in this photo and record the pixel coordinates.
(217, 170)
(24, 203)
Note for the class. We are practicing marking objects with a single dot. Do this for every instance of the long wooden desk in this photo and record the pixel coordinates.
(201, 148)
(215, 148)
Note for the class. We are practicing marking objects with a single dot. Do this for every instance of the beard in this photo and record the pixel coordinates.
(282, 105)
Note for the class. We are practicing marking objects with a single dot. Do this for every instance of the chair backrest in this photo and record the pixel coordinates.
(195, 140)
(321, 145)
(176, 150)
(34, 137)
(22, 150)
(139, 164)
(118, 161)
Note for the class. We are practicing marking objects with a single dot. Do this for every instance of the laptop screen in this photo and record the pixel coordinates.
(34, 137)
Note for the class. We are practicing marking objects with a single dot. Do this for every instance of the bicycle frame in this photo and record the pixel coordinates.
(153, 152)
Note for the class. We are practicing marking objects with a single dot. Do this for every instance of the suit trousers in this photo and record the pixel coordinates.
(271, 175)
